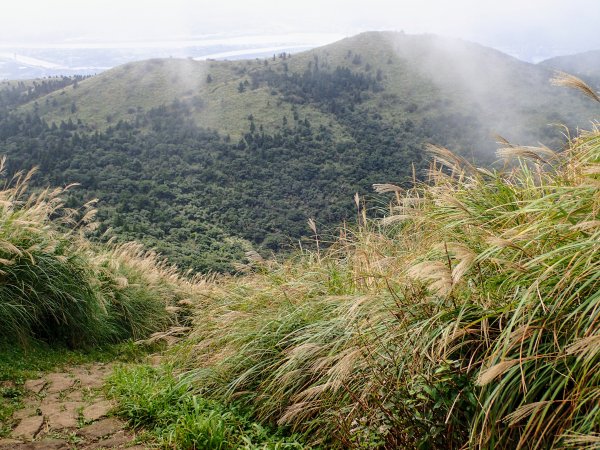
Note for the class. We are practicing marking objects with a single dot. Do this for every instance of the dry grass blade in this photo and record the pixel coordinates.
(571, 81)
(435, 272)
(449, 159)
(588, 225)
(312, 225)
(592, 169)
(254, 256)
(528, 152)
(488, 375)
(386, 187)
(389, 220)
(524, 411)
(582, 441)
(171, 336)
(587, 345)
(501, 140)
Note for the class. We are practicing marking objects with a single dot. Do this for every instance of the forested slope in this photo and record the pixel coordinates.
(189, 156)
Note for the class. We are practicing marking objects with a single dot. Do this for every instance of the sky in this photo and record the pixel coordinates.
(569, 25)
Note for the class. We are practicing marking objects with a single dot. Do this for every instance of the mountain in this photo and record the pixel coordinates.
(421, 77)
(585, 65)
(187, 155)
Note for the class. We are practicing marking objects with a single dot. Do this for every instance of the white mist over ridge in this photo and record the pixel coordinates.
(529, 30)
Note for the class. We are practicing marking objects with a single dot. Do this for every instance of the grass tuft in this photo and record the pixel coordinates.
(57, 287)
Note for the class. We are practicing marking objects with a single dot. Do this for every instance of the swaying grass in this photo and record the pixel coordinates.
(467, 317)
(57, 287)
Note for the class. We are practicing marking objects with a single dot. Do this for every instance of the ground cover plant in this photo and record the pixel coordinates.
(154, 399)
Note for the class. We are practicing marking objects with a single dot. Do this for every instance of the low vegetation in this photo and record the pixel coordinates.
(59, 288)
(468, 316)
(155, 400)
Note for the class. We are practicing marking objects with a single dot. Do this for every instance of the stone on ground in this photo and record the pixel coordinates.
(102, 428)
(28, 427)
(93, 381)
(118, 439)
(24, 413)
(46, 444)
(62, 415)
(35, 386)
(58, 382)
(97, 410)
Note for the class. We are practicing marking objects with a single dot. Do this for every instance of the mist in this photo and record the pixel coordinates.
(505, 96)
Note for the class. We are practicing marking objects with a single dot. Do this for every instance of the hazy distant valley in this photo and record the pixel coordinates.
(30, 61)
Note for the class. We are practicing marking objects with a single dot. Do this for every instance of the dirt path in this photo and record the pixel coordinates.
(67, 410)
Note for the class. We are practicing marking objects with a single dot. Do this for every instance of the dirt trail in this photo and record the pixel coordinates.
(67, 410)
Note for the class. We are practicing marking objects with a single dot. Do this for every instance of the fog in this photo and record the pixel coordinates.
(530, 29)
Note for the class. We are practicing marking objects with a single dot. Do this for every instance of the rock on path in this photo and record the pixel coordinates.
(66, 410)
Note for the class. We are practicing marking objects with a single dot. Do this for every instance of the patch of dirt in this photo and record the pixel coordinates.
(67, 410)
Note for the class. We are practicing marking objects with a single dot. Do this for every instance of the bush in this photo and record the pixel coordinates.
(56, 286)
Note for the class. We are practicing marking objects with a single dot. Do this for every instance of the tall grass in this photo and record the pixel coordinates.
(58, 287)
(469, 316)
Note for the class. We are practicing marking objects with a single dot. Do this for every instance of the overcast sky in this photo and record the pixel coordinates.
(571, 24)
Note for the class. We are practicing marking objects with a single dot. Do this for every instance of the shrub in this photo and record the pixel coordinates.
(58, 287)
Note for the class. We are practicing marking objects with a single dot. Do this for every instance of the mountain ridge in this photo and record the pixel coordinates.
(187, 156)
(585, 65)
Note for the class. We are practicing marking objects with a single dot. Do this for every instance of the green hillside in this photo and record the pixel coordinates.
(585, 65)
(455, 307)
(188, 156)
(422, 77)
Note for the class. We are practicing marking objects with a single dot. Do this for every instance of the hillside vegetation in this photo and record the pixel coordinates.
(585, 65)
(204, 160)
(488, 88)
(60, 288)
(467, 317)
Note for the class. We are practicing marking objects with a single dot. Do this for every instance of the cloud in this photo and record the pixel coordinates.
(484, 21)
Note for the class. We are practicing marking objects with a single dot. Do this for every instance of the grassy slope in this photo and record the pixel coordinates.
(149, 84)
(467, 318)
(440, 76)
(58, 287)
